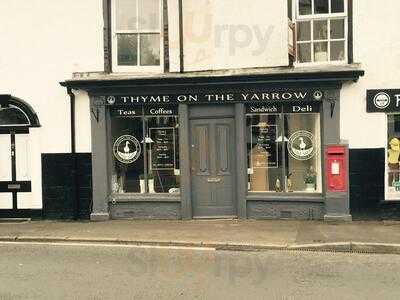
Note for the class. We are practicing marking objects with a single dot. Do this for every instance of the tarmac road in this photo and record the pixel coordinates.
(71, 271)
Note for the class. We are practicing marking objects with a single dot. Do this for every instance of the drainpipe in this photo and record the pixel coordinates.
(181, 53)
(75, 190)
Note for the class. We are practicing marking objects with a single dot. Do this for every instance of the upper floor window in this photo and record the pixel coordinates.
(321, 27)
(136, 35)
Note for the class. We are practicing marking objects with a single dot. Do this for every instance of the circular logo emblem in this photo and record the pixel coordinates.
(382, 100)
(110, 100)
(318, 95)
(301, 145)
(127, 149)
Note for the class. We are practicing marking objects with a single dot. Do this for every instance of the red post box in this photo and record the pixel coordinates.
(336, 168)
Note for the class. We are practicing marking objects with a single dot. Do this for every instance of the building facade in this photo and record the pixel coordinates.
(172, 109)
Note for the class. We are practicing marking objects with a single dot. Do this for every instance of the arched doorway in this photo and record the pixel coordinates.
(17, 118)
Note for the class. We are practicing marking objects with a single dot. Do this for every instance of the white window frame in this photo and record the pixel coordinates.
(321, 17)
(114, 43)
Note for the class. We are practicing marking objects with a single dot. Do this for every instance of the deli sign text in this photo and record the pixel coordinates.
(385, 101)
(213, 98)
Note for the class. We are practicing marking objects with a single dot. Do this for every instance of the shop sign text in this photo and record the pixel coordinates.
(214, 98)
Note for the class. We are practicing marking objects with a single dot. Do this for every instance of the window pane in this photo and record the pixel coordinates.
(304, 31)
(264, 152)
(305, 7)
(337, 6)
(12, 116)
(393, 155)
(127, 141)
(303, 152)
(149, 49)
(149, 14)
(337, 51)
(321, 6)
(304, 52)
(320, 52)
(127, 49)
(337, 29)
(163, 154)
(126, 15)
(321, 30)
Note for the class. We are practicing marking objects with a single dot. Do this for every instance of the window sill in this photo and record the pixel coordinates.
(136, 197)
(320, 64)
(285, 197)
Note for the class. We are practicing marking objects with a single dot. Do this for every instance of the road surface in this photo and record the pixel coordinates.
(73, 271)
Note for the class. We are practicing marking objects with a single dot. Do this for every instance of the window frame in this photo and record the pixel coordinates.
(322, 17)
(114, 42)
(144, 121)
(321, 189)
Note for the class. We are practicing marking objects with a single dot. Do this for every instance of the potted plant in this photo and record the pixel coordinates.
(150, 179)
(310, 180)
(142, 184)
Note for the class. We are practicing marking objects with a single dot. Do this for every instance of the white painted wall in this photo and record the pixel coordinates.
(229, 34)
(377, 47)
(42, 43)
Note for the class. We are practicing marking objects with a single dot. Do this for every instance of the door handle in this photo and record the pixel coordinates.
(215, 180)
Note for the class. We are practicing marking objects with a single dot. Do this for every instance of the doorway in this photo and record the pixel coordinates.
(213, 167)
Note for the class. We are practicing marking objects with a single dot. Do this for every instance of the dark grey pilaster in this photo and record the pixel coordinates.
(336, 204)
(241, 162)
(100, 167)
(184, 149)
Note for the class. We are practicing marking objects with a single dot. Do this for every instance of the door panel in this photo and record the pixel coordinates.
(5, 157)
(6, 200)
(213, 167)
(22, 157)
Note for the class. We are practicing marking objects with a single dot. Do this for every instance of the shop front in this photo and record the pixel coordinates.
(387, 101)
(223, 147)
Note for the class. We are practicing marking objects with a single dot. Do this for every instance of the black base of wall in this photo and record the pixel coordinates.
(34, 214)
(66, 197)
(390, 210)
(367, 167)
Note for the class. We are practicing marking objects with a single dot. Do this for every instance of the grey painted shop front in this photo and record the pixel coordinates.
(216, 147)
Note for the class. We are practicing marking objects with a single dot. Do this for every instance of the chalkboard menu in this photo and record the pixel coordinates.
(163, 149)
(264, 146)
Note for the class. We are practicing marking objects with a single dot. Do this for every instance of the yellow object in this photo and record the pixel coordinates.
(394, 151)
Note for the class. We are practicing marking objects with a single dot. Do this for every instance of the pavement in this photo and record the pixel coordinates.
(241, 235)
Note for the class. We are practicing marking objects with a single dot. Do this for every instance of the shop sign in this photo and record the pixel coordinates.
(301, 145)
(161, 110)
(163, 149)
(126, 149)
(122, 112)
(262, 96)
(304, 107)
(301, 108)
(385, 101)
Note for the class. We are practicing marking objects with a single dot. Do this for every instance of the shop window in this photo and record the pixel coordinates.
(136, 32)
(284, 152)
(321, 27)
(145, 152)
(393, 158)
